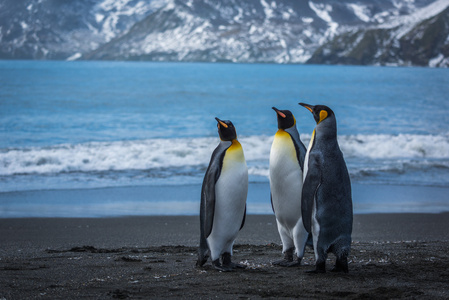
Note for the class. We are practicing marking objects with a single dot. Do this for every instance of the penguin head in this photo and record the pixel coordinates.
(285, 118)
(226, 130)
(320, 112)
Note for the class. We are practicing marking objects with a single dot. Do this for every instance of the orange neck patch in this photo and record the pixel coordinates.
(323, 115)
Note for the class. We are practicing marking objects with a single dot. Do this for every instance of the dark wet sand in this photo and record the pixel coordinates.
(393, 256)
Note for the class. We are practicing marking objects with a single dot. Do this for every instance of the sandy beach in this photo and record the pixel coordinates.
(393, 256)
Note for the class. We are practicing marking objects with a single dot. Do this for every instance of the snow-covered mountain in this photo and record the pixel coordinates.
(420, 38)
(280, 31)
(61, 29)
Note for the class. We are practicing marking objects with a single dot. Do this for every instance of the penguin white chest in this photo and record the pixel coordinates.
(231, 191)
(285, 179)
(315, 225)
(306, 159)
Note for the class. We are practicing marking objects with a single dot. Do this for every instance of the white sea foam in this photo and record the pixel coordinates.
(104, 156)
(196, 152)
(396, 146)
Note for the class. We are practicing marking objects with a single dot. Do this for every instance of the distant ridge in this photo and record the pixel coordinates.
(363, 32)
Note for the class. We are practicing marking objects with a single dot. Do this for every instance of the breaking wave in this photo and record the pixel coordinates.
(366, 155)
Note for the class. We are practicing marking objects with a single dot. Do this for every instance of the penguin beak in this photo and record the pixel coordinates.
(308, 106)
(221, 123)
(279, 112)
(317, 116)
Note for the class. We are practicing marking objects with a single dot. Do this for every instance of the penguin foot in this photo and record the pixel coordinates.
(320, 268)
(287, 263)
(282, 262)
(288, 259)
(296, 263)
(220, 267)
(341, 265)
(226, 257)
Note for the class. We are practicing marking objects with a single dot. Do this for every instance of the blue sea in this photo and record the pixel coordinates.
(89, 139)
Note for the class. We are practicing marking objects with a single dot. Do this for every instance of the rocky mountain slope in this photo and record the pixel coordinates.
(380, 32)
(420, 39)
(60, 29)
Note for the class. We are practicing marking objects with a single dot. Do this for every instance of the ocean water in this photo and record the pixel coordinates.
(126, 138)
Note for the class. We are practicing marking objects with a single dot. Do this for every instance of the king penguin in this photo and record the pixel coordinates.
(326, 194)
(223, 200)
(286, 182)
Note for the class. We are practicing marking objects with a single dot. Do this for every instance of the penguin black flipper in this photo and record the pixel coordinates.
(208, 191)
(208, 203)
(244, 218)
(272, 205)
(309, 189)
(207, 209)
(301, 153)
(299, 146)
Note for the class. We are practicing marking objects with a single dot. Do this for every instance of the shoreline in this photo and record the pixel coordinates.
(34, 234)
(184, 200)
(392, 256)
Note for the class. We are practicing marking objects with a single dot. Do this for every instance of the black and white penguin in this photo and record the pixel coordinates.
(326, 194)
(286, 183)
(223, 200)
